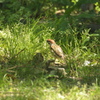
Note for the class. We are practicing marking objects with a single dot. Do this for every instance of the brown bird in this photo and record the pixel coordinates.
(58, 52)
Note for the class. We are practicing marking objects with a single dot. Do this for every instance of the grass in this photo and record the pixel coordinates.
(24, 76)
(44, 89)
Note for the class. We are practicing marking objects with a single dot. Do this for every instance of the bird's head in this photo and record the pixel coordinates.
(50, 41)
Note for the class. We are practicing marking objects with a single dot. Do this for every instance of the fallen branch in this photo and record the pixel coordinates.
(18, 53)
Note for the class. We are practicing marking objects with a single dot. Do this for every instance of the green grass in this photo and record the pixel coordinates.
(23, 77)
(44, 89)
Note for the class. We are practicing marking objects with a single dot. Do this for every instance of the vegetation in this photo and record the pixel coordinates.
(25, 69)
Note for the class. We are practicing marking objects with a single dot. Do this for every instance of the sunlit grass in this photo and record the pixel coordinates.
(43, 89)
(28, 80)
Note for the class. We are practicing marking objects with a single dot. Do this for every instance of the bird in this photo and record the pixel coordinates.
(56, 49)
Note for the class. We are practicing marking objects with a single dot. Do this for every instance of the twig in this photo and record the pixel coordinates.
(18, 53)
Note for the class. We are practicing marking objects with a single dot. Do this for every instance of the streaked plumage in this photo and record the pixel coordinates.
(56, 48)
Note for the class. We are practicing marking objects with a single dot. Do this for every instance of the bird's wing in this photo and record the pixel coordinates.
(57, 50)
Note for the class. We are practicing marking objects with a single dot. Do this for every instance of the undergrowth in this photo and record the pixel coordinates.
(22, 77)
